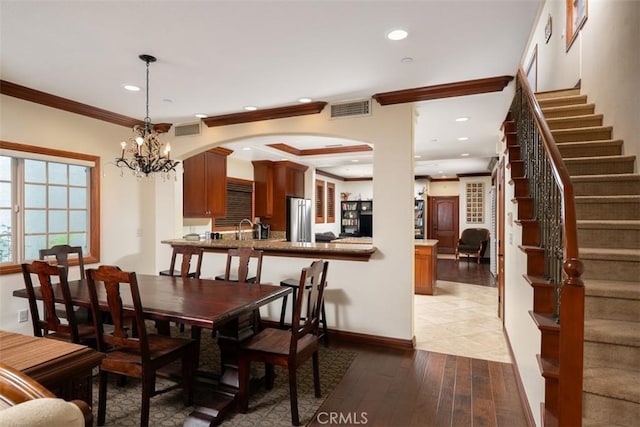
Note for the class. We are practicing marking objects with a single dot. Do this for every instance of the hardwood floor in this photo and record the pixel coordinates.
(465, 271)
(392, 387)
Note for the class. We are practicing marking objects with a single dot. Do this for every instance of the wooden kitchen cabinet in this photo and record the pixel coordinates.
(426, 264)
(274, 181)
(205, 184)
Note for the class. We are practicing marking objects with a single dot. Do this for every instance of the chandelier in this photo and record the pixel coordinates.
(146, 153)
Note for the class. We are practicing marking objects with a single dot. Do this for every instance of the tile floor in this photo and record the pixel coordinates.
(461, 319)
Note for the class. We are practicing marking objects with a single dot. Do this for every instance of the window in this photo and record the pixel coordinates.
(319, 201)
(475, 202)
(331, 202)
(239, 203)
(47, 197)
(576, 17)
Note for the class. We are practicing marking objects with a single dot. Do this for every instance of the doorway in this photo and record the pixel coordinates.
(442, 222)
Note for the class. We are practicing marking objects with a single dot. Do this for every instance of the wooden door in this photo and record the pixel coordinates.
(443, 222)
(500, 239)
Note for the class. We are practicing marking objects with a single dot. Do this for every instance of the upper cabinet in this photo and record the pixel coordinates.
(205, 184)
(275, 181)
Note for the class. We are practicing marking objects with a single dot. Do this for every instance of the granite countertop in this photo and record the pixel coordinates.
(426, 242)
(278, 245)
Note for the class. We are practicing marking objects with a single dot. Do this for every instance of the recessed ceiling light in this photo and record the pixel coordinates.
(440, 171)
(463, 138)
(201, 116)
(167, 100)
(407, 60)
(464, 155)
(434, 139)
(250, 108)
(131, 88)
(304, 100)
(355, 160)
(246, 148)
(417, 157)
(462, 119)
(397, 35)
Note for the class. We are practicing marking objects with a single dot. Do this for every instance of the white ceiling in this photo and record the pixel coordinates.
(215, 57)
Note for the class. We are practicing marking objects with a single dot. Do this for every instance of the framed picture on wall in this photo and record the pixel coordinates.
(576, 17)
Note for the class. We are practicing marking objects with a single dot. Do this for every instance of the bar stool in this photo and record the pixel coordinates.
(293, 284)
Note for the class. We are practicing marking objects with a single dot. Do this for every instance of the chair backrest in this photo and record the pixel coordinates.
(187, 252)
(306, 315)
(474, 236)
(244, 256)
(110, 284)
(50, 320)
(61, 253)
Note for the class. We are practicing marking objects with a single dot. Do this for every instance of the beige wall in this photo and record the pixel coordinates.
(137, 215)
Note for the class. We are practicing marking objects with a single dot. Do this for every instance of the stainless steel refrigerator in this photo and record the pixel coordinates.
(299, 217)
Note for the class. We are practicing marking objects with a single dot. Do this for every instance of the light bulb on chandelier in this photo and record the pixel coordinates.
(145, 150)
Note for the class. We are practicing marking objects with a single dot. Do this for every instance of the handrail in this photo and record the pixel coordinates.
(559, 170)
(571, 290)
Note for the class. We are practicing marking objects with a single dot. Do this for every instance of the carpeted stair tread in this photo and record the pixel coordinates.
(614, 383)
(607, 177)
(598, 158)
(618, 332)
(633, 198)
(617, 224)
(611, 254)
(612, 289)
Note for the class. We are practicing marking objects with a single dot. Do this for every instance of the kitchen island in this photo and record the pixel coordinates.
(282, 248)
(426, 263)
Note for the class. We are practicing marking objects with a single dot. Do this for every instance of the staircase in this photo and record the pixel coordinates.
(607, 195)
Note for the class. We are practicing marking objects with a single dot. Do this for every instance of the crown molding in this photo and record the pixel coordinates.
(267, 114)
(446, 90)
(320, 151)
(53, 101)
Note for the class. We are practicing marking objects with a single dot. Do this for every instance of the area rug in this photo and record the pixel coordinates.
(267, 408)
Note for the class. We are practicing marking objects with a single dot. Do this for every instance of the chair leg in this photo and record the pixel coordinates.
(102, 397)
(293, 395)
(316, 374)
(323, 320)
(243, 386)
(269, 375)
(148, 388)
(283, 311)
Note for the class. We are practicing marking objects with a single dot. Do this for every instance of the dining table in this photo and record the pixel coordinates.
(219, 305)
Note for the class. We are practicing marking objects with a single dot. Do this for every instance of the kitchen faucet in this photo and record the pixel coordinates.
(240, 227)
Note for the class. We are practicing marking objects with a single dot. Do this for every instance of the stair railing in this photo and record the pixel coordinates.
(554, 208)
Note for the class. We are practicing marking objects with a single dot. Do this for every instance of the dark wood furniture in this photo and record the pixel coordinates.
(274, 182)
(205, 184)
(63, 368)
(356, 218)
(473, 242)
(139, 355)
(199, 303)
(187, 254)
(425, 266)
(243, 257)
(16, 388)
(61, 254)
(293, 284)
(48, 323)
(288, 348)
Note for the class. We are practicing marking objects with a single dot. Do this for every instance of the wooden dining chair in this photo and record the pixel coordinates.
(62, 254)
(50, 323)
(187, 253)
(290, 349)
(139, 357)
(243, 256)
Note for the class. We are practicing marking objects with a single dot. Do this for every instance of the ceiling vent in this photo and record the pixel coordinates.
(357, 108)
(187, 129)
